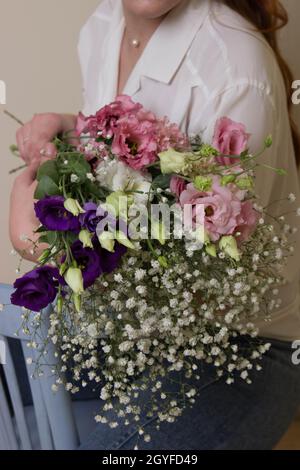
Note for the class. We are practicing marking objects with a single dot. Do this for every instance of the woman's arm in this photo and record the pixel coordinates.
(35, 144)
(22, 220)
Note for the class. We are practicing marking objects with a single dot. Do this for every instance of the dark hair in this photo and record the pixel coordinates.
(268, 16)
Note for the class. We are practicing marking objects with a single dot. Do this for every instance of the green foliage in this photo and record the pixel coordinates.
(46, 187)
(73, 163)
(49, 169)
(162, 181)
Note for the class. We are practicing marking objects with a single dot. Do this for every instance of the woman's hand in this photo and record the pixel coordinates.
(23, 221)
(35, 138)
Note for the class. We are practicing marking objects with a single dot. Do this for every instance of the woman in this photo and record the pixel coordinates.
(194, 60)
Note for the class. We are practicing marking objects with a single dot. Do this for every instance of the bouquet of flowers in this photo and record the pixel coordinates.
(159, 259)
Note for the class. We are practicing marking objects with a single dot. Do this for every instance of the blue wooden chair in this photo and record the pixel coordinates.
(54, 422)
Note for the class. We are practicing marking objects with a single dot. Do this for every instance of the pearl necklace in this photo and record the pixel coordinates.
(135, 43)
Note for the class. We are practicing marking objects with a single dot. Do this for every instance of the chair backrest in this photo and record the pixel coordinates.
(53, 411)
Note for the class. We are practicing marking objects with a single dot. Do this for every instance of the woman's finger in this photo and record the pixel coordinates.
(48, 151)
(26, 142)
(21, 144)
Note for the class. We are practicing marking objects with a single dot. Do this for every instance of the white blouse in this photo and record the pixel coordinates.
(203, 62)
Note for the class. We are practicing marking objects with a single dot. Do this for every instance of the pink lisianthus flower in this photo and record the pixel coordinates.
(137, 135)
(247, 222)
(140, 137)
(230, 138)
(104, 122)
(135, 141)
(222, 206)
(170, 136)
(177, 185)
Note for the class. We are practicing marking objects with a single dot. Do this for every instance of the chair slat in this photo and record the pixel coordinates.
(8, 440)
(40, 410)
(16, 399)
(10, 318)
(54, 412)
(59, 404)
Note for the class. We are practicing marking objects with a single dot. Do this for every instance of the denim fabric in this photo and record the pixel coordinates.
(236, 417)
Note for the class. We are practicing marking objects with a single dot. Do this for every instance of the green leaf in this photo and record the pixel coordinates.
(50, 238)
(14, 150)
(50, 169)
(40, 230)
(244, 155)
(162, 181)
(73, 163)
(70, 238)
(94, 190)
(43, 239)
(46, 187)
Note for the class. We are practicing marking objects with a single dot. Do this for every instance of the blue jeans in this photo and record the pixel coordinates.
(235, 417)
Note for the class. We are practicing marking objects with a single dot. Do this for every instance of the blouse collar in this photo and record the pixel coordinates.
(163, 54)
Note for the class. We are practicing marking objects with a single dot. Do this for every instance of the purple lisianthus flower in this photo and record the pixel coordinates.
(90, 219)
(54, 217)
(109, 261)
(36, 289)
(89, 262)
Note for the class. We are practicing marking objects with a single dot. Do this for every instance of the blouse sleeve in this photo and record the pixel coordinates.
(262, 116)
(256, 109)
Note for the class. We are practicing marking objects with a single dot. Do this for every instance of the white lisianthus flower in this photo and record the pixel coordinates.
(117, 176)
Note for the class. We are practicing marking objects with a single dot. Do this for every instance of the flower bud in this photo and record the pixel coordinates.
(211, 250)
(172, 161)
(227, 179)
(63, 268)
(269, 141)
(203, 183)
(74, 279)
(107, 241)
(44, 256)
(163, 262)
(86, 239)
(77, 302)
(245, 183)
(73, 206)
(123, 240)
(229, 246)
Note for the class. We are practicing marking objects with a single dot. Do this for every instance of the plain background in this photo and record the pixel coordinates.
(38, 62)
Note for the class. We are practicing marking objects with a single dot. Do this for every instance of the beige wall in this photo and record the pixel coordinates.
(38, 62)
